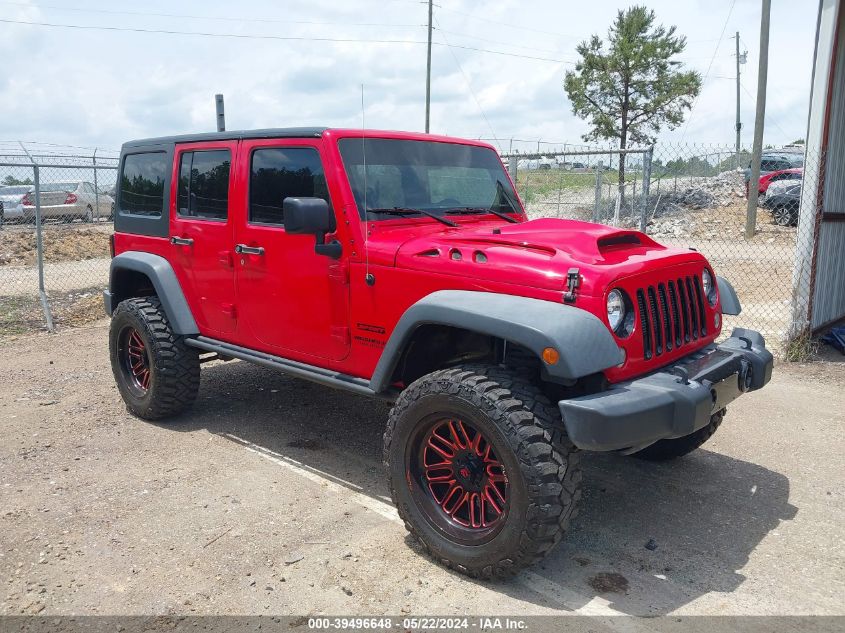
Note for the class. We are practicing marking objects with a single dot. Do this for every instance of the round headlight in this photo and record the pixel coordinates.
(615, 309)
(707, 287)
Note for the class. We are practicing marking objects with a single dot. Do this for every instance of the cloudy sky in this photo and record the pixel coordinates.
(498, 66)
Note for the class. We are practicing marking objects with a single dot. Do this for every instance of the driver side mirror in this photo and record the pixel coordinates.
(311, 215)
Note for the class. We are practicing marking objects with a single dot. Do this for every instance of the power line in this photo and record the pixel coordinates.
(777, 125)
(507, 24)
(468, 83)
(207, 17)
(276, 37)
(487, 39)
(709, 66)
(101, 149)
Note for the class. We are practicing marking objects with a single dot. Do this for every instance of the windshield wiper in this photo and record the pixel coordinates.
(409, 211)
(501, 214)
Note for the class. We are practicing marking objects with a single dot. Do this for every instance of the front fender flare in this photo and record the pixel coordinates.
(160, 273)
(728, 296)
(585, 344)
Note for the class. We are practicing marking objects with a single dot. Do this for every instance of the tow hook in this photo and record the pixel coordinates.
(746, 376)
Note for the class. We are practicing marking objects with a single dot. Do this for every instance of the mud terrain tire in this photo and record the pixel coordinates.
(523, 429)
(156, 373)
(664, 450)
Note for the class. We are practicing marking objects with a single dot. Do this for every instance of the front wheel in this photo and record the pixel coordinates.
(479, 470)
(156, 373)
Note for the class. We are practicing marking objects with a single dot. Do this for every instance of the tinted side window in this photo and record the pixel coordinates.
(142, 183)
(283, 172)
(204, 184)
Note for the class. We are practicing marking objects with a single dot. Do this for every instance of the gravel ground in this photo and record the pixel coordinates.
(269, 497)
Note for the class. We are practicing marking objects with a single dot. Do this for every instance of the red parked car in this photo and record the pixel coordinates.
(403, 267)
(795, 173)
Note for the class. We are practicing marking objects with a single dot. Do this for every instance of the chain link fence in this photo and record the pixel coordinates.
(55, 222)
(689, 196)
(685, 196)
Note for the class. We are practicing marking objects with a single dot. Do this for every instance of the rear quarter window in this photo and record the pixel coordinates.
(142, 183)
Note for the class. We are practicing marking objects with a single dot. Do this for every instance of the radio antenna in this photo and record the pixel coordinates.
(368, 277)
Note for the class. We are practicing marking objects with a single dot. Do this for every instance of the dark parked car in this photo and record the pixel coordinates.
(776, 162)
(784, 205)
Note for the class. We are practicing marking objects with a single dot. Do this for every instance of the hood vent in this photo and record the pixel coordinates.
(619, 239)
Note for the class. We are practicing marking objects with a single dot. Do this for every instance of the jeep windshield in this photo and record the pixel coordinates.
(391, 177)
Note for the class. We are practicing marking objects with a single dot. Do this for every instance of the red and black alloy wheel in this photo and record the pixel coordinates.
(135, 360)
(480, 470)
(458, 480)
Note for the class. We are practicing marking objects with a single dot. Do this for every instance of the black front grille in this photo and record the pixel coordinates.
(671, 315)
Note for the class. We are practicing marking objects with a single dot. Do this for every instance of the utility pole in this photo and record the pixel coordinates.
(738, 122)
(759, 120)
(428, 70)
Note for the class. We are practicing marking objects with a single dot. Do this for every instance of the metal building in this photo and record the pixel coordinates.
(818, 280)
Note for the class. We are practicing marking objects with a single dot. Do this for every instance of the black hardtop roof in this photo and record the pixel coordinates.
(282, 132)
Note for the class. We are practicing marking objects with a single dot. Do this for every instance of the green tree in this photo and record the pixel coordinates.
(631, 87)
(11, 180)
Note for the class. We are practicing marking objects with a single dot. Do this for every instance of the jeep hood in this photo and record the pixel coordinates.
(538, 253)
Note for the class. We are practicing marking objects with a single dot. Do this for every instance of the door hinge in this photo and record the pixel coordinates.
(229, 310)
(225, 258)
(341, 333)
(339, 272)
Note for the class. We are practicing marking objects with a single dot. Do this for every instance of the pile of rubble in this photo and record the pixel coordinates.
(676, 227)
(716, 191)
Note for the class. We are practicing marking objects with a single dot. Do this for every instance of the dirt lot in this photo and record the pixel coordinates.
(269, 497)
(61, 243)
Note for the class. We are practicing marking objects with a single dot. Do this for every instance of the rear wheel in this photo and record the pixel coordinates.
(664, 450)
(476, 472)
(782, 216)
(156, 373)
(89, 214)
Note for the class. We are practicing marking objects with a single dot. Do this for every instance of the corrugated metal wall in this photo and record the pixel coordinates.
(829, 294)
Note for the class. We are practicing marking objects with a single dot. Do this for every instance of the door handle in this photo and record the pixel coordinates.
(243, 249)
(182, 241)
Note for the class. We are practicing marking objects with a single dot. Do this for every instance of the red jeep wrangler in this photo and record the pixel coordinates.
(402, 266)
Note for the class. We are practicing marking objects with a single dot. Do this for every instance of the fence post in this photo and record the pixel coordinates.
(96, 188)
(649, 154)
(597, 204)
(634, 197)
(512, 160)
(39, 243)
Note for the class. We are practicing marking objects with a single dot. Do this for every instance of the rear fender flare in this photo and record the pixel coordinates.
(585, 344)
(167, 288)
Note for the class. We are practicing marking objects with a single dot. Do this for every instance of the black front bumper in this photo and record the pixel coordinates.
(672, 402)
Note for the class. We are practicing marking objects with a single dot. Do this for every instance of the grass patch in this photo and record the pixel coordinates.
(24, 315)
(536, 183)
(20, 315)
(801, 348)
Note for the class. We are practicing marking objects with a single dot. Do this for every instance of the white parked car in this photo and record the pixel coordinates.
(544, 162)
(69, 200)
(779, 187)
(11, 197)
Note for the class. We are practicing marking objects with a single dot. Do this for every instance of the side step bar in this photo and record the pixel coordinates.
(319, 375)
